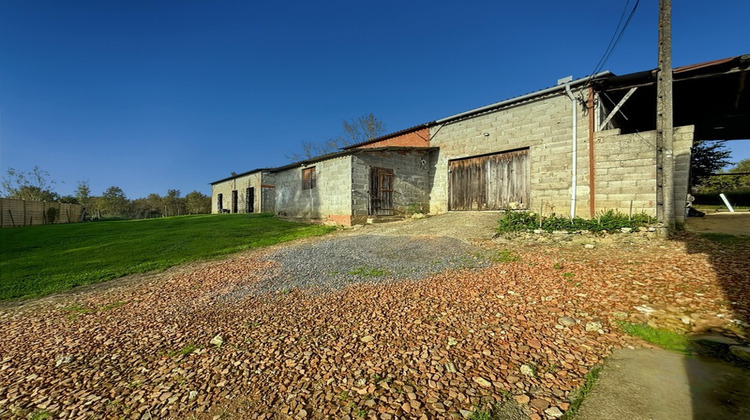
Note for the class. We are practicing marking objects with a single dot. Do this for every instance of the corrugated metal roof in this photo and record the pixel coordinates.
(347, 153)
(327, 157)
(526, 97)
(706, 64)
(240, 175)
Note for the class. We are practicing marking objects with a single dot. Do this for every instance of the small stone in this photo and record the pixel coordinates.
(527, 370)
(620, 315)
(466, 413)
(589, 246)
(482, 382)
(63, 360)
(539, 404)
(626, 230)
(367, 338)
(217, 341)
(450, 367)
(740, 352)
(406, 407)
(192, 395)
(593, 326)
(553, 412)
(522, 399)
(452, 341)
(566, 321)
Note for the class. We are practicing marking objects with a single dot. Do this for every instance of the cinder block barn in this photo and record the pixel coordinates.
(580, 147)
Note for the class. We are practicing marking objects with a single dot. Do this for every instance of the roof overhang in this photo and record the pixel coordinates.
(712, 96)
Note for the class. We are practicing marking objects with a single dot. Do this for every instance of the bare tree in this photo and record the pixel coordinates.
(356, 130)
(34, 185)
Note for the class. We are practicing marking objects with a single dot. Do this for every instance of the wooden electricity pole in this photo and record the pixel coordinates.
(664, 121)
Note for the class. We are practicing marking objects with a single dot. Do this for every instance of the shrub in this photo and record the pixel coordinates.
(609, 221)
(52, 214)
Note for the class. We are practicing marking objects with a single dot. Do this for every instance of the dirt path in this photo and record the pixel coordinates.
(651, 384)
(521, 332)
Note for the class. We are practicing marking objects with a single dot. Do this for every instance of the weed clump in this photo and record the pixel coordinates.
(610, 221)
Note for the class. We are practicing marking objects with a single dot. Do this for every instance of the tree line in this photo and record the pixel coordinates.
(37, 185)
(711, 170)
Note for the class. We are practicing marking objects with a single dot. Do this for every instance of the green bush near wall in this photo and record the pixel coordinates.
(610, 221)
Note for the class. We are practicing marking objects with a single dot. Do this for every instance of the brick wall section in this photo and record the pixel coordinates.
(411, 180)
(241, 184)
(329, 200)
(418, 138)
(625, 167)
(544, 125)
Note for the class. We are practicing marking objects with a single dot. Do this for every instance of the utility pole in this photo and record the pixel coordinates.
(664, 121)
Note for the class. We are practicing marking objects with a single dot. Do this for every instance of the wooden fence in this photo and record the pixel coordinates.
(14, 213)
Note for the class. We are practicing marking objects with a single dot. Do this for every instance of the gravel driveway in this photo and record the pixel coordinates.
(406, 250)
(478, 334)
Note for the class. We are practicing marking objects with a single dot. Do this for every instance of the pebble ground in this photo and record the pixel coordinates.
(248, 337)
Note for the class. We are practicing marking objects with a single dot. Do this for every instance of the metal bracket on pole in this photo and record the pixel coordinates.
(617, 108)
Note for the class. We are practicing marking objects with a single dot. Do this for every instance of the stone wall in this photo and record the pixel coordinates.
(544, 125)
(240, 184)
(411, 184)
(330, 199)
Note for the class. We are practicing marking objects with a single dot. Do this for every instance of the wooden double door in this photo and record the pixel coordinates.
(490, 182)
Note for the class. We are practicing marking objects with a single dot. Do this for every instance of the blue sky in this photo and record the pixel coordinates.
(153, 95)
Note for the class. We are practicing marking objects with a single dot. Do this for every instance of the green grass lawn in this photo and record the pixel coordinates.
(39, 260)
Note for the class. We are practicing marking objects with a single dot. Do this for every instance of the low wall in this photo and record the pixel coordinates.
(14, 212)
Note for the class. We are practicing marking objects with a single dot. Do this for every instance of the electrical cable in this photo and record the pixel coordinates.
(616, 37)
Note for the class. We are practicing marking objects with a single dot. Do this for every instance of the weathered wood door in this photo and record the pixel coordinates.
(490, 182)
(250, 200)
(381, 192)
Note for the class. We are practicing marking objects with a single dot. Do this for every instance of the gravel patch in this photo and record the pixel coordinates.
(331, 264)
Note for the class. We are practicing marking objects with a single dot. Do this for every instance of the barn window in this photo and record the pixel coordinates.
(308, 178)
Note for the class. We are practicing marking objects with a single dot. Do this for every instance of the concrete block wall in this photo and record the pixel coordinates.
(411, 180)
(329, 199)
(240, 184)
(683, 138)
(625, 170)
(544, 125)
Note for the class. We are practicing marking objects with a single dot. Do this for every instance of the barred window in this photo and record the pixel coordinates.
(308, 178)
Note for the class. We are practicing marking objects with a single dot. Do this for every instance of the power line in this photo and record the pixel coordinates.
(616, 37)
